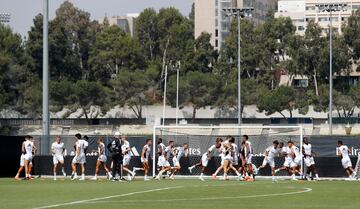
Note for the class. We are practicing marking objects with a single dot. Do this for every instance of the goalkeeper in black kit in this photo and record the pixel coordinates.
(114, 148)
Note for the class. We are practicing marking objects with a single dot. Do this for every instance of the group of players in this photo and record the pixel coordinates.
(238, 160)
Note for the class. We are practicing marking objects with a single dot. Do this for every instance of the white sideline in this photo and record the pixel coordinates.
(104, 198)
(305, 190)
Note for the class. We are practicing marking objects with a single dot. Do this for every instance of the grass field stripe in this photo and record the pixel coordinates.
(107, 197)
(305, 190)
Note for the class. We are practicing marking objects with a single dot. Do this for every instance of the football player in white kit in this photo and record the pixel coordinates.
(126, 150)
(27, 149)
(343, 151)
(226, 149)
(248, 155)
(101, 160)
(178, 153)
(296, 163)
(286, 152)
(206, 157)
(164, 162)
(80, 157)
(234, 161)
(57, 151)
(22, 160)
(145, 157)
(270, 153)
(309, 159)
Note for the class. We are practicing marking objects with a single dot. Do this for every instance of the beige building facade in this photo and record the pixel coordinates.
(308, 11)
(210, 18)
(127, 22)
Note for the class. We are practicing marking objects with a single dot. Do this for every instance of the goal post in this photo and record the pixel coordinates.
(200, 138)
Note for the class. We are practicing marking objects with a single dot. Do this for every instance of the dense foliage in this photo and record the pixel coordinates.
(94, 64)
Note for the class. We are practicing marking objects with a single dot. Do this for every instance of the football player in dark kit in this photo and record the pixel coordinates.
(114, 148)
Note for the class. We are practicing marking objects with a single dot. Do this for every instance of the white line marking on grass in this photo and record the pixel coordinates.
(108, 197)
(304, 190)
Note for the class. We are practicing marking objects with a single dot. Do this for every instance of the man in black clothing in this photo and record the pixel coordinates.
(114, 148)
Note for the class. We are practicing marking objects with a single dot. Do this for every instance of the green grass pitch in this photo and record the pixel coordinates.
(182, 194)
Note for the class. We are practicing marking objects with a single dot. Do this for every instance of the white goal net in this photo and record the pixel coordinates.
(200, 138)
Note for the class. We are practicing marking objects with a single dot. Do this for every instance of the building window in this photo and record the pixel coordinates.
(355, 6)
(216, 33)
(300, 28)
(216, 43)
(310, 19)
(344, 18)
(301, 83)
(323, 19)
(310, 8)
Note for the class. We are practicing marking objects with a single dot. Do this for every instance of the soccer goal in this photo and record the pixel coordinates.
(200, 138)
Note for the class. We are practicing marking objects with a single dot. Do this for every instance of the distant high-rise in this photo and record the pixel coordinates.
(210, 18)
(127, 23)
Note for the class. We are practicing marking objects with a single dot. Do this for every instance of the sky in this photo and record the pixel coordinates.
(23, 11)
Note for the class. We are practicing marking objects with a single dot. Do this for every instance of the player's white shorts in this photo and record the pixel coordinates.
(28, 157)
(269, 161)
(126, 159)
(176, 162)
(249, 159)
(346, 162)
(228, 157)
(81, 159)
(296, 162)
(204, 160)
(102, 158)
(287, 162)
(22, 160)
(162, 162)
(309, 161)
(222, 159)
(58, 159)
(144, 160)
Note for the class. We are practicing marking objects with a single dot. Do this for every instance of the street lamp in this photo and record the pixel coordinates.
(239, 13)
(330, 8)
(5, 17)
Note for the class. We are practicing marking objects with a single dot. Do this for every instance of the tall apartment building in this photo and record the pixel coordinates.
(210, 18)
(303, 11)
(127, 23)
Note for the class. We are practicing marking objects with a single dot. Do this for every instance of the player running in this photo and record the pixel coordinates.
(296, 160)
(178, 153)
(114, 148)
(145, 157)
(234, 161)
(28, 149)
(226, 149)
(79, 158)
(126, 151)
(248, 154)
(343, 151)
(205, 158)
(286, 152)
(270, 153)
(101, 160)
(57, 151)
(309, 160)
(164, 160)
(22, 160)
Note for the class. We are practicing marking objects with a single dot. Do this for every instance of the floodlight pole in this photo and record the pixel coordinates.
(239, 12)
(177, 94)
(45, 96)
(331, 8)
(164, 101)
(330, 78)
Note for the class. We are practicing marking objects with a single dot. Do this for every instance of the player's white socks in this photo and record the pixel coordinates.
(63, 171)
(55, 176)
